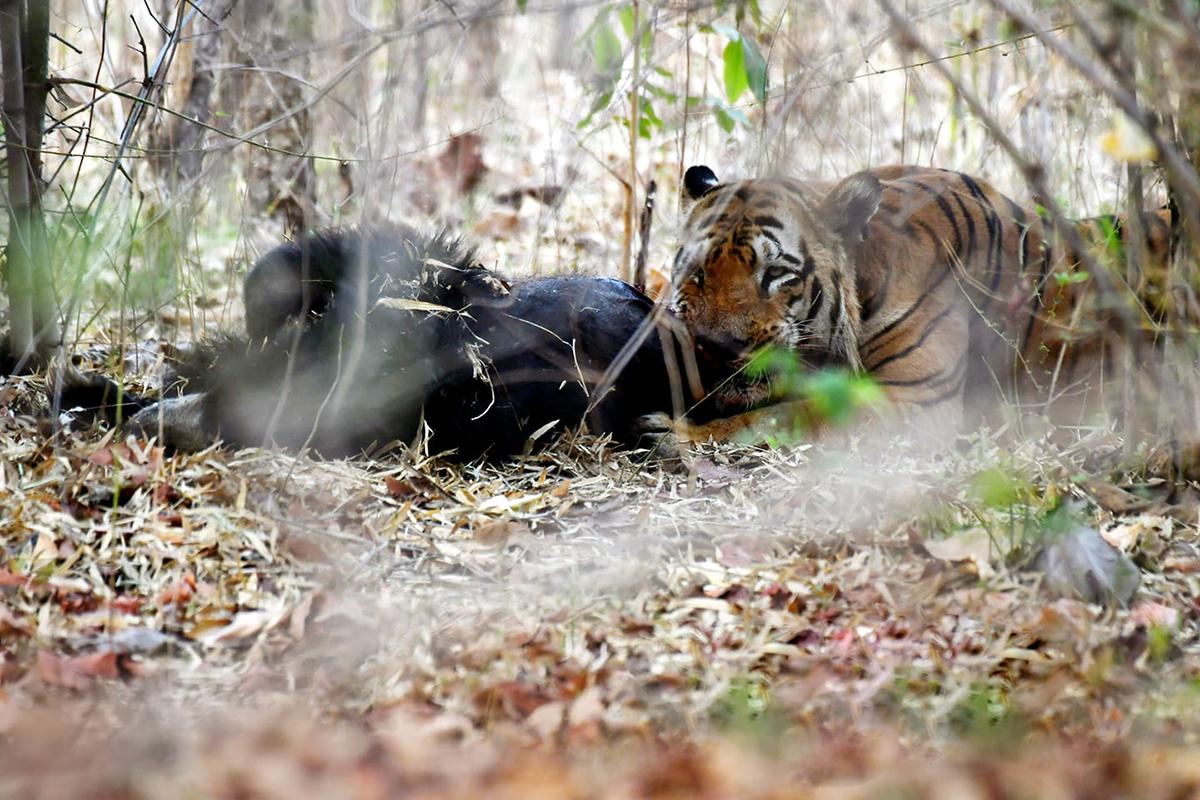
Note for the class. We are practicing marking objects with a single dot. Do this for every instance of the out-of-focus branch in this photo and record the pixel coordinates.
(639, 271)
(1179, 171)
(187, 135)
(154, 79)
(1034, 173)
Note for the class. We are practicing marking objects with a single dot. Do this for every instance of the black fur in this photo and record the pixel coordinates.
(699, 181)
(484, 363)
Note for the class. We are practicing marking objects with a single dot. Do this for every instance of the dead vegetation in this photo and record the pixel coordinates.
(750, 623)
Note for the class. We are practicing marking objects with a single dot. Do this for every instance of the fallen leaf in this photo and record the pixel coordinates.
(9, 578)
(1128, 535)
(397, 487)
(1082, 564)
(45, 553)
(1155, 615)
(547, 720)
(300, 614)
(1113, 498)
(10, 623)
(1064, 621)
(126, 604)
(497, 532)
(77, 672)
(178, 592)
(973, 546)
(498, 224)
(243, 624)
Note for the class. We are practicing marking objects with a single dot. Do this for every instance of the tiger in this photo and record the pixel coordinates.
(930, 281)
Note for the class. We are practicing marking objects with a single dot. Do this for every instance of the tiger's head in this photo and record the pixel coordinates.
(766, 263)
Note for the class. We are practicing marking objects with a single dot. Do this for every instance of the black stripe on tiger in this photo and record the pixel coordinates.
(930, 327)
(995, 235)
(874, 342)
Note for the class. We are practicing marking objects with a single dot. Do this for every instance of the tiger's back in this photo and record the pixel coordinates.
(949, 260)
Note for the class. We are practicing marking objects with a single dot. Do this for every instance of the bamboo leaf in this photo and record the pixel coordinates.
(736, 80)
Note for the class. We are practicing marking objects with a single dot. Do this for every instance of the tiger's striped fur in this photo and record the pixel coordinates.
(931, 281)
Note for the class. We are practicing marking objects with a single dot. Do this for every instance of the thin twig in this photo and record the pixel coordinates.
(639, 270)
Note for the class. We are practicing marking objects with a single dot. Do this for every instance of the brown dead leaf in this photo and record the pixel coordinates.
(1034, 697)
(1151, 614)
(498, 531)
(77, 672)
(1113, 498)
(126, 604)
(461, 163)
(1147, 533)
(298, 621)
(588, 707)
(973, 546)
(400, 488)
(1063, 621)
(45, 553)
(714, 475)
(9, 578)
(517, 698)
(110, 454)
(11, 623)
(178, 592)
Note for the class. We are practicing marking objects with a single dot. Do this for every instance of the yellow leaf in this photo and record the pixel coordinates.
(1126, 141)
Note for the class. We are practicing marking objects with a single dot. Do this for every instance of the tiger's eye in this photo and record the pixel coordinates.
(772, 273)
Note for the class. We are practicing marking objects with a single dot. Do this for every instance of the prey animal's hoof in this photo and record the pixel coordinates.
(177, 423)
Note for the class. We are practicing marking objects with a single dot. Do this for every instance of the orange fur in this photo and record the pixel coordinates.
(937, 285)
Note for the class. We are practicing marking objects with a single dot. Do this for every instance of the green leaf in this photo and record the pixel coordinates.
(647, 113)
(522, 5)
(835, 394)
(727, 117)
(736, 80)
(660, 92)
(756, 13)
(756, 69)
(996, 488)
(1067, 278)
(599, 104)
(625, 15)
(606, 48)
(724, 120)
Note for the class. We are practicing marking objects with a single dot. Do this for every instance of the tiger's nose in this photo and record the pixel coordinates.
(720, 346)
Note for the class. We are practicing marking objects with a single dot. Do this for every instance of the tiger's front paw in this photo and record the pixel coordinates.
(661, 435)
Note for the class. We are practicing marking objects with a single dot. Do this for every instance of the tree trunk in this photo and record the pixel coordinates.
(283, 185)
(187, 138)
(33, 310)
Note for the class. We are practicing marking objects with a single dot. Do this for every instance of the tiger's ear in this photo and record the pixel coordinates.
(850, 206)
(699, 181)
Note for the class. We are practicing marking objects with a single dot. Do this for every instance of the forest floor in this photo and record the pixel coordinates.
(747, 623)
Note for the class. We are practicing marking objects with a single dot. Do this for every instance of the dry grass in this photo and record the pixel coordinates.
(751, 616)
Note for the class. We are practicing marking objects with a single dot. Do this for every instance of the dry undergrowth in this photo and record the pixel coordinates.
(753, 623)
